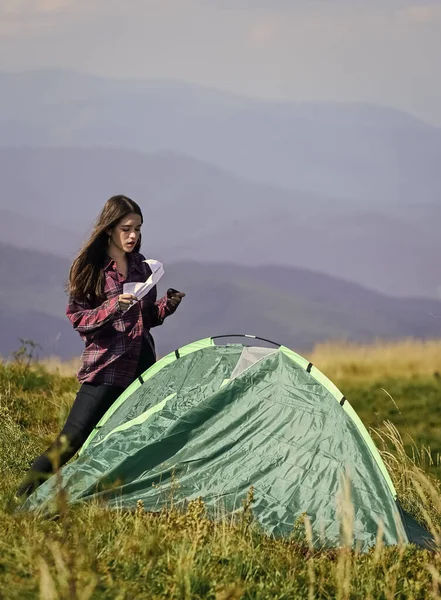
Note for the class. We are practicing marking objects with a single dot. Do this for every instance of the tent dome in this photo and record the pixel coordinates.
(219, 418)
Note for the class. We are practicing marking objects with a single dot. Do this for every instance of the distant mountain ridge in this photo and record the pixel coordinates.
(196, 211)
(357, 151)
(351, 190)
(30, 233)
(291, 306)
(59, 84)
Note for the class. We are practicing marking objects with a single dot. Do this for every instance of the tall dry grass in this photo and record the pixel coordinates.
(402, 359)
(64, 368)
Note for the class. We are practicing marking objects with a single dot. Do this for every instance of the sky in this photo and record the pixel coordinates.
(382, 51)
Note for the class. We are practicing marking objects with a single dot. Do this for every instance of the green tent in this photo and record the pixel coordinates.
(217, 419)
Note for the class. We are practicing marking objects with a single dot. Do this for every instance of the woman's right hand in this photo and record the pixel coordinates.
(125, 301)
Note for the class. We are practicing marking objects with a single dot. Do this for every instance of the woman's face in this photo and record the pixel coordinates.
(125, 235)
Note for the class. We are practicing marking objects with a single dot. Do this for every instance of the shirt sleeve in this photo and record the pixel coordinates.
(88, 320)
(155, 312)
(163, 310)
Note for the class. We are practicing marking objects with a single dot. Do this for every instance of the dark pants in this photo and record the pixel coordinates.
(90, 404)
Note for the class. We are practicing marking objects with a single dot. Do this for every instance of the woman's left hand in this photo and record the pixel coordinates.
(174, 297)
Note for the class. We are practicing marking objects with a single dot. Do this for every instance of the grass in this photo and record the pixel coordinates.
(398, 360)
(90, 552)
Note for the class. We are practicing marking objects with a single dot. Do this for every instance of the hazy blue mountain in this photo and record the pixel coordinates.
(196, 211)
(32, 233)
(292, 306)
(364, 153)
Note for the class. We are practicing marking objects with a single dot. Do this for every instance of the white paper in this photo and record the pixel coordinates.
(141, 288)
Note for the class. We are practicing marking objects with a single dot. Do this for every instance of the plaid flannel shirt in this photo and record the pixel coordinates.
(113, 338)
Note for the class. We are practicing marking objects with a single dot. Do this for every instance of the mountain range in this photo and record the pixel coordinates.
(294, 221)
(195, 211)
(360, 152)
(291, 306)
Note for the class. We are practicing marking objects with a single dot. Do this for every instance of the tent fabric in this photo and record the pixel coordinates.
(160, 364)
(416, 533)
(217, 419)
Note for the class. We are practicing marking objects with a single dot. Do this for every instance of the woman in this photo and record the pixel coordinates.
(118, 343)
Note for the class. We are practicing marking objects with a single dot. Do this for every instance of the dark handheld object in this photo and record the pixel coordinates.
(171, 292)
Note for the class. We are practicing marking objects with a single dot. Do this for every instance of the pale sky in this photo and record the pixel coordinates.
(382, 51)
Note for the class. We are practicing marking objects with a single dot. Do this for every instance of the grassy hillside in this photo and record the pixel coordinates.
(91, 553)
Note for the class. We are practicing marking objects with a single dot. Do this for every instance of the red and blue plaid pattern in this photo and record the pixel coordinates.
(112, 338)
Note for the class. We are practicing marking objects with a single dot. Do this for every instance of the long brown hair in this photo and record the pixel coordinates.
(86, 276)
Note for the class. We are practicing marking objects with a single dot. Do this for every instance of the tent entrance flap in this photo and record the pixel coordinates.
(249, 357)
